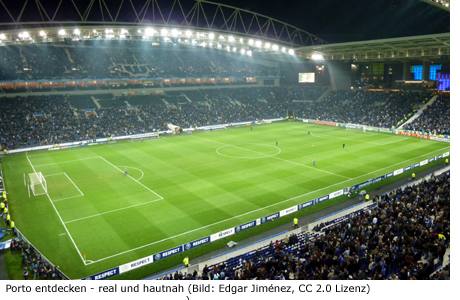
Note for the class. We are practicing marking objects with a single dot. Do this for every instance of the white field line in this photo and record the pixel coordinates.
(134, 168)
(25, 183)
(73, 183)
(67, 161)
(67, 198)
(111, 211)
(54, 174)
(258, 209)
(280, 159)
(59, 216)
(359, 141)
(132, 178)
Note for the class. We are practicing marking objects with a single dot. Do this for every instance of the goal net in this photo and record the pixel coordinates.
(37, 184)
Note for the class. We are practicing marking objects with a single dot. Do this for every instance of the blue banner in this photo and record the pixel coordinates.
(306, 204)
(197, 243)
(105, 274)
(270, 218)
(168, 253)
(321, 199)
(245, 226)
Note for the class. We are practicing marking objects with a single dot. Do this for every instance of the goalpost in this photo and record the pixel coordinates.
(36, 184)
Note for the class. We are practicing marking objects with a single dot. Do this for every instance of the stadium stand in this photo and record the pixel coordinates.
(380, 109)
(130, 60)
(40, 120)
(436, 119)
(405, 236)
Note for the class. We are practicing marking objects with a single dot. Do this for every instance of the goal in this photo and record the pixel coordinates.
(37, 184)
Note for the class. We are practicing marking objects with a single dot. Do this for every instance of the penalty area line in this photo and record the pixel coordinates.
(256, 210)
(58, 215)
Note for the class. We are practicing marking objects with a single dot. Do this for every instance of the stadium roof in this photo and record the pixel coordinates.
(403, 48)
(444, 4)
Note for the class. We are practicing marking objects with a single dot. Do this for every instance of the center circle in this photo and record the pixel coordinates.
(248, 151)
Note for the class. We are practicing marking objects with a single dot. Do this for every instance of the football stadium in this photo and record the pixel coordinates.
(149, 139)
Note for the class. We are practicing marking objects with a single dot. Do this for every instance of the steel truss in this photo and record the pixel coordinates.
(200, 14)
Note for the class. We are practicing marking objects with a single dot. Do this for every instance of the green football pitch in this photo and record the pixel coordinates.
(179, 189)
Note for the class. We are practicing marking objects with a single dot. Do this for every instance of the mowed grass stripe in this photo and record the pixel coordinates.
(203, 192)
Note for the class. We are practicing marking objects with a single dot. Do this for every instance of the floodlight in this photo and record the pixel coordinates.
(231, 38)
(188, 33)
(175, 32)
(249, 53)
(317, 56)
(235, 49)
(268, 45)
(109, 33)
(243, 51)
(211, 36)
(123, 33)
(251, 42)
(291, 52)
(241, 41)
(259, 44)
(2, 37)
(164, 32)
(24, 35)
(76, 31)
(284, 50)
(148, 32)
(62, 32)
(275, 47)
(42, 34)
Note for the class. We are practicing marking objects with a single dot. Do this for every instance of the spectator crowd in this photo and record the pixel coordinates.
(435, 119)
(404, 237)
(39, 120)
(131, 59)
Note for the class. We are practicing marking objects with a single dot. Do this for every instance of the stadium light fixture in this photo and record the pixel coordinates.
(249, 53)
(317, 56)
(251, 42)
(109, 33)
(77, 32)
(243, 51)
(123, 33)
(175, 32)
(164, 32)
(188, 33)
(2, 36)
(221, 37)
(148, 32)
(283, 49)
(211, 36)
(234, 49)
(291, 52)
(268, 45)
(275, 48)
(42, 34)
(241, 41)
(62, 32)
(24, 35)
(231, 39)
(258, 44)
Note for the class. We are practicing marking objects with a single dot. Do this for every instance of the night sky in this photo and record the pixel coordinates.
(351, 20)
(331, 20)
